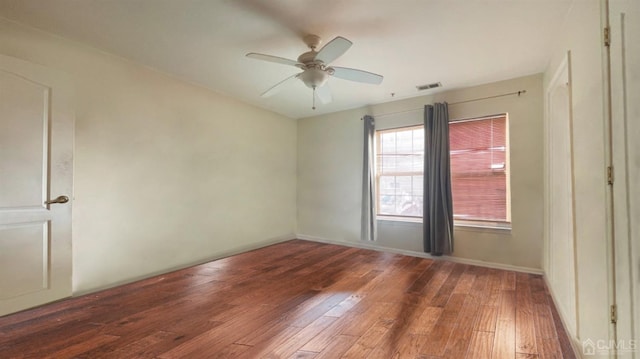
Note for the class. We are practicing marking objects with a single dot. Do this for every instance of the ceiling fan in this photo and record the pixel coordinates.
(316, 69)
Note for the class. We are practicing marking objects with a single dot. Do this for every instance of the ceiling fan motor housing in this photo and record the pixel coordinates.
(308, 57)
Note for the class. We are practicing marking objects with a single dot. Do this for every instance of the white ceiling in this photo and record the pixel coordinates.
(411, 42)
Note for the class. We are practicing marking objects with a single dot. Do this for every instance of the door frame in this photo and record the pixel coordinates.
(556, 80)
(626, 259)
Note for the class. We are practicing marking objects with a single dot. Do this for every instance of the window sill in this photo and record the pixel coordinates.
(399, 219)
(482, 228)
(462, 225)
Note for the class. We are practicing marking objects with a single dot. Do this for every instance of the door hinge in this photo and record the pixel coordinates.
(610, 175)
(614, 314)
(607, 36)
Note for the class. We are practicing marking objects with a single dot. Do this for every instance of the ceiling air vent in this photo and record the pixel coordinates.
(429, 86)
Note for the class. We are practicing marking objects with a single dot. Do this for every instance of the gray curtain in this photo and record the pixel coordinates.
(438, 209)
(368, 182)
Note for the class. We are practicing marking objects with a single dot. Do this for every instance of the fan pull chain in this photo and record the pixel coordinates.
(314, 98)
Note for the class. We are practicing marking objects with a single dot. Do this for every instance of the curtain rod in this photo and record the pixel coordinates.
(455, 103)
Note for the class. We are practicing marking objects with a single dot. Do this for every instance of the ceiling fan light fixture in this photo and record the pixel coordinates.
(313, 77)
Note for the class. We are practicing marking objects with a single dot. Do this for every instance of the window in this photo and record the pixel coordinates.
(479, 171)
(399, 171)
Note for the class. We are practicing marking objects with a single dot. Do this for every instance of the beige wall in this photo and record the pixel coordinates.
(582, 36)
(330, 163)
(166, 173)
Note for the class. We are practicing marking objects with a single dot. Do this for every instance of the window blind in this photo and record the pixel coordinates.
(479, 169)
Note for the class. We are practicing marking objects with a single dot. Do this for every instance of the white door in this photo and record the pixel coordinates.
(559, 192)
(36, 148)
(624, 17)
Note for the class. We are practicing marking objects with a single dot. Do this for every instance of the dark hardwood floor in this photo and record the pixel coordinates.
(301, 299)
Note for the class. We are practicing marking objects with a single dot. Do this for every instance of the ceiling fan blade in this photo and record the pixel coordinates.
(276, 59)
(333, 49)
(346, 73)
(279, 86)
(324, 94)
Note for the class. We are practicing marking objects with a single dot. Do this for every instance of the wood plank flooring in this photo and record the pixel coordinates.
(301, 299)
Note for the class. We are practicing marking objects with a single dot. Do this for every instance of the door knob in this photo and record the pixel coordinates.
(60, 199)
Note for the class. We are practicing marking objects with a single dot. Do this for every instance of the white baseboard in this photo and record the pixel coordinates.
(375, 247)
(219, 255)
(575, 344)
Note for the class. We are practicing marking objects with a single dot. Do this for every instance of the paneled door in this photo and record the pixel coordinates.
(36, 164)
